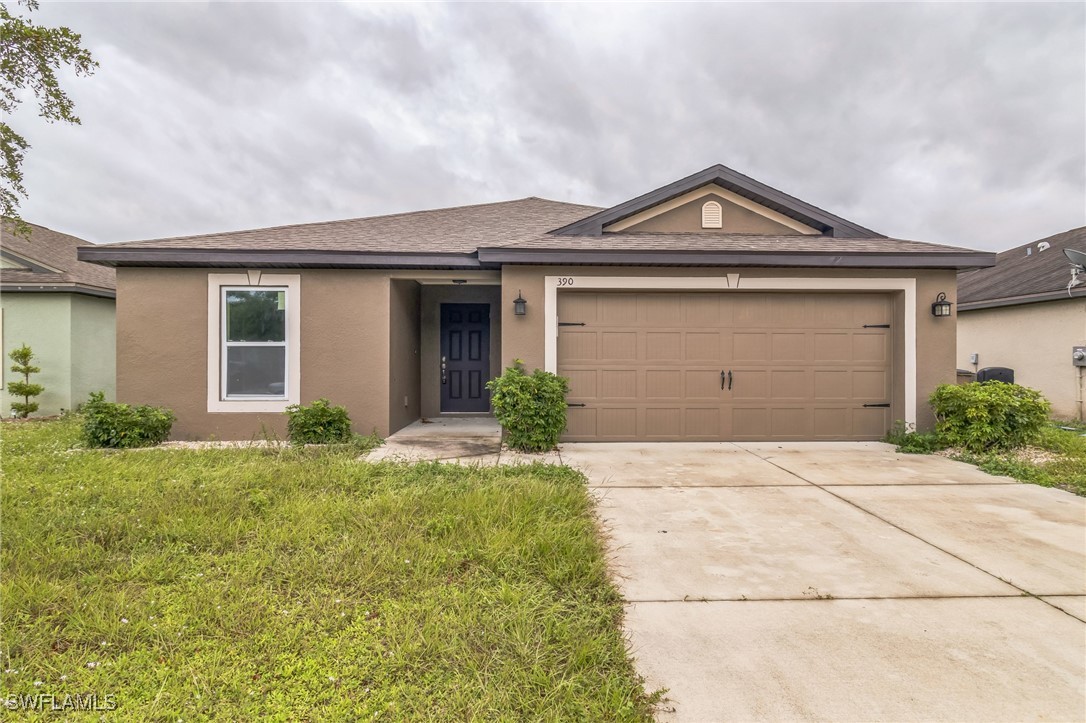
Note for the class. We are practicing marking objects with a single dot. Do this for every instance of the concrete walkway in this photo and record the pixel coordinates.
(472, 440)
(843, 582)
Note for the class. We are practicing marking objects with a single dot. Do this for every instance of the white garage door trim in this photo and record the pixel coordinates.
(552, 285)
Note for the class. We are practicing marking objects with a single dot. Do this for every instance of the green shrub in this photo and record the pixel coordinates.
(909, 441)
(319, 423)
(983, 416)
(25, 388)
(531, 409)
(109, 424)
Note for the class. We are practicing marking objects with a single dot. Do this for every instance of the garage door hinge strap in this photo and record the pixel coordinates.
(876, 326)
(886, 405)
(571, 323)
(576, 404)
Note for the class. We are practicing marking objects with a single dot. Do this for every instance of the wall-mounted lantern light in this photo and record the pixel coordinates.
(520, 306)
(941, 307)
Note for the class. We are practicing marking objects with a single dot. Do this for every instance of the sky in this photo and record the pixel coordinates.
(962, 124)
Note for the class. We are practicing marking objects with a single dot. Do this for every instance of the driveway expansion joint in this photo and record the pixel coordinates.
(824, 488)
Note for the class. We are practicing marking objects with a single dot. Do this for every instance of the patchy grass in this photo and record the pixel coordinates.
(1056, 459)
(300, 584)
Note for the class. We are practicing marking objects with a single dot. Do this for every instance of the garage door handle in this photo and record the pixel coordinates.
(723, 379)
(729, 380)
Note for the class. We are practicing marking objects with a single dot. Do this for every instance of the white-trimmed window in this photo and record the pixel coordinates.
(253, 342)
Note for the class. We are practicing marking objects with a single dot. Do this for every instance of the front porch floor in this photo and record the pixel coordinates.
(462, 440)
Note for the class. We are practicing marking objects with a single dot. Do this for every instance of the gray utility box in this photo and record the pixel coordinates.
(1078, 356)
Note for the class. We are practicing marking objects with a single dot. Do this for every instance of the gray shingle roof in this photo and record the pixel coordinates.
(55, 254)
(1017, 276)
(445, 230)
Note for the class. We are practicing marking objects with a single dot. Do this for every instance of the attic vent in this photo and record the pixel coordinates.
(1043, 246)
(711, 215)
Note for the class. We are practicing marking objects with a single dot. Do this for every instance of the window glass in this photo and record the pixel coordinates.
(255, 315)
(255, 370)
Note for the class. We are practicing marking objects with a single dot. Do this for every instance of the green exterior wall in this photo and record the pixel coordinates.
(74, 341)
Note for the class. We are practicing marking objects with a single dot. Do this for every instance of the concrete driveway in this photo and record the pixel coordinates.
(843, 582)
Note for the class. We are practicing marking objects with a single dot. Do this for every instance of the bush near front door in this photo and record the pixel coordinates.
(531, 408)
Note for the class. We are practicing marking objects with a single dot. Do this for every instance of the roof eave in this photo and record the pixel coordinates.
(822, 259)
(83, 289)
(1021, 300)
(240, 258)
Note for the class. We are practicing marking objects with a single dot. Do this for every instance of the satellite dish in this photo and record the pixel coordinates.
(1078, 258)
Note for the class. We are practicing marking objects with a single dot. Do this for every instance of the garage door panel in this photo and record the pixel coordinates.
(705, 310)
(663, 422)
(703, 422)
(703, 384)
(788, 347)
(660, 310)
(832, 422)
(617, 309)
(749, 385)
(750, 309)
(832, 347)
(581, 423)
(871, 348)
(870, 385)
(582, 383)
(787, 384)
(582, 307)
(618, 346)
(648, 365)
(704, 346)
(832, 384)
(790, 423)
(661, 345)
(618, 383)
(576, 347)
(663, 383)
(871, 423)
(750, 423)
(617, 422)
(750, 347)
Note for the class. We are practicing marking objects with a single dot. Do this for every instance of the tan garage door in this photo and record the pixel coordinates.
(726, 366)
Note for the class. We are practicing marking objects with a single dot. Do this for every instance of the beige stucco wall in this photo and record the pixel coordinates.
(404, 394)
(1035, 340)
(433, 295)
(523, 337)
(162, 348)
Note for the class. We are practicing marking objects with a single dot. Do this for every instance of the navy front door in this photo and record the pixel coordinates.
(465, 357)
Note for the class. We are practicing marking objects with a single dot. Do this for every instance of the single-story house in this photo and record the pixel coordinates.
(712, 308)
(61, 307)
(1023, 314)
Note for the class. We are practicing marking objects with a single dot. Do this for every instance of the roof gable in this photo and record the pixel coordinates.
(48, 261)
(825, 223)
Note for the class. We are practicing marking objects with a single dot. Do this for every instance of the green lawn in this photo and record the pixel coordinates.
(304, 585)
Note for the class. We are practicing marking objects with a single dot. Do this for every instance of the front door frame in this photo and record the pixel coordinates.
(463, 404)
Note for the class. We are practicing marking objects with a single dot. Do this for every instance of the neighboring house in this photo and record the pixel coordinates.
(64, 309)
(1021, 315)
(713, 308)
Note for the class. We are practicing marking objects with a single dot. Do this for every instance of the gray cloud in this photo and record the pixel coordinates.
(953, 123)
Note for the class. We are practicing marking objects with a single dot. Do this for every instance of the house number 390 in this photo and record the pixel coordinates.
(565, 281)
